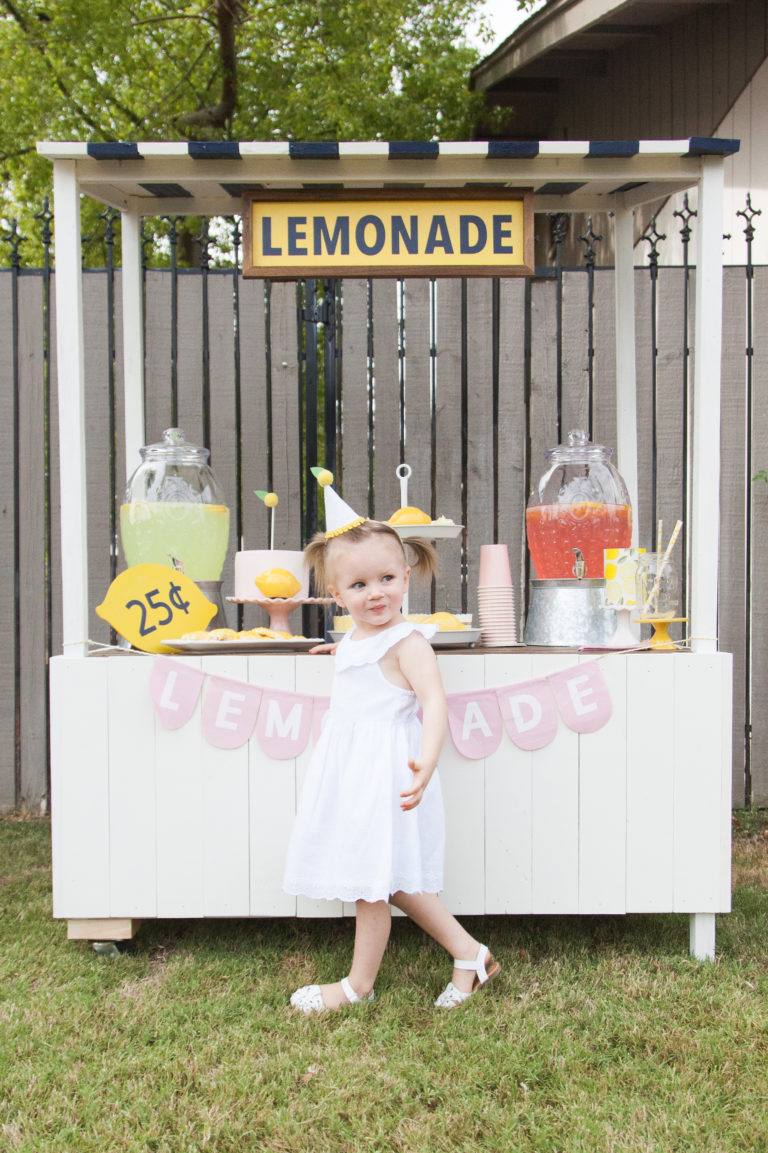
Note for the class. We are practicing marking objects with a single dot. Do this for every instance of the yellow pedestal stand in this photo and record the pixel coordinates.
(661, 639)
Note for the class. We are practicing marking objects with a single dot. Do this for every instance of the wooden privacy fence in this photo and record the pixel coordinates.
(467, 381)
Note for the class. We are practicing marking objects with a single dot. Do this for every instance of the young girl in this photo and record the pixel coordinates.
(369, 827)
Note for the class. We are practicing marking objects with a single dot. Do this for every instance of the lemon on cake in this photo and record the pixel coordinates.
(277, 582)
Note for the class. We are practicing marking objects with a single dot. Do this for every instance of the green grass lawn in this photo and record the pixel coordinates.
(601, 1033)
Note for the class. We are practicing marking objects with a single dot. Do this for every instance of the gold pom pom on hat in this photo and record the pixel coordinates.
(339, 516)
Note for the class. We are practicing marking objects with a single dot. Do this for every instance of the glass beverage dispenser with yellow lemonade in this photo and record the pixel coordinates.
(579, 507)
(174, 513)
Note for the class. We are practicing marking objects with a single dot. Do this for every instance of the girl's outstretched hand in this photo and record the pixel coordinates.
(411, 797)
(325, 648)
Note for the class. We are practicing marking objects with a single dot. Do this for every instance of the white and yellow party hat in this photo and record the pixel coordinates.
(339, 516)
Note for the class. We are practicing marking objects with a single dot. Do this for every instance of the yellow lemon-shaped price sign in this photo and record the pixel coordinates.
(149, 604)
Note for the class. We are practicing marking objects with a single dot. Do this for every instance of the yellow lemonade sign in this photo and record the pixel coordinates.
(454, 233)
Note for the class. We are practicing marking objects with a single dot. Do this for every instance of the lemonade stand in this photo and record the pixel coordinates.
(151, 820)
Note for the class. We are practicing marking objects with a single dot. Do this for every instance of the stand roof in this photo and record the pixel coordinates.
(208, 178)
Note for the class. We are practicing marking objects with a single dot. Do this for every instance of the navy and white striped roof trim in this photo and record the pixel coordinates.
(413, 149)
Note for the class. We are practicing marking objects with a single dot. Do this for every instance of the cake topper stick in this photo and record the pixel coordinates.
(271, 501)
(403, 471)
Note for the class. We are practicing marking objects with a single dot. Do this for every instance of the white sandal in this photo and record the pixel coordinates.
(484, 967)
(309, 999)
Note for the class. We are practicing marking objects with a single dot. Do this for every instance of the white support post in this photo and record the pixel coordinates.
(702, 936)
(71, 386)
(626, 377)
(133, 339)
(705, 503)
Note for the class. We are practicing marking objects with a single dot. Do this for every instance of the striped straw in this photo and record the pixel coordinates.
(657, 583)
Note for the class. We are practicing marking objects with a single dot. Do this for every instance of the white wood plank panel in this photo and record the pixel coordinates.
(603, 800)
(512, 496)
(158, 328)
(386, 489)
(31, 582)
(719, 30)
(132, 801)
(225, 788)
(756, 38)
(449, 436)
(707, 73)
(650, 782)
(314, 675)
(8, 470)
(463, 788)
(273, 793)
(180, 817)
(680, 118)
(286, 456)
(355, 401)
(79, 788)
(700, 712)
(750, 115)
(759, 564)
(736, 51)
(508, 804)
(555, 831)
(726, 790)
(480, 477)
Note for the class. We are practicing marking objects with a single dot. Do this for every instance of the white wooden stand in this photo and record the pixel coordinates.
(633, 818)
(150, 823)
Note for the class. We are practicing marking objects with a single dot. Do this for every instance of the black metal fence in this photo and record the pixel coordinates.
(364, 374)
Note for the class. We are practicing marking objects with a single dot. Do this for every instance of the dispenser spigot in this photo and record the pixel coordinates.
(580, 567)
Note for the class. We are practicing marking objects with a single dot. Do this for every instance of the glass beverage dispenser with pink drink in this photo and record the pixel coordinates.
(578, 508)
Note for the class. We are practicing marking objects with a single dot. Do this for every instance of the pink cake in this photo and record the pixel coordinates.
(252, 563)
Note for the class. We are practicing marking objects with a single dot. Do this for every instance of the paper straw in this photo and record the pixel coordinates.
(660, 571)
(659, 528)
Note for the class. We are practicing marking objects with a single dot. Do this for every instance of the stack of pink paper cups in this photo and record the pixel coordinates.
(495, 597)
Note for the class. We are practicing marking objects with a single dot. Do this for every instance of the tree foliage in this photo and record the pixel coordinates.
(227, 69)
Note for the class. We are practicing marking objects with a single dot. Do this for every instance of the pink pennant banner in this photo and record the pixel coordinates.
(285, 722)
(582, 697)
(529, 713)
(319, 713)
(475, 723)
(175, 688)
(230, 709)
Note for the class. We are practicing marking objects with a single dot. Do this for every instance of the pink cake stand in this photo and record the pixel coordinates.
(280, 608)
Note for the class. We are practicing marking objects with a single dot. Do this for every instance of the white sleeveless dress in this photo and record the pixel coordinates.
(351, 840)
